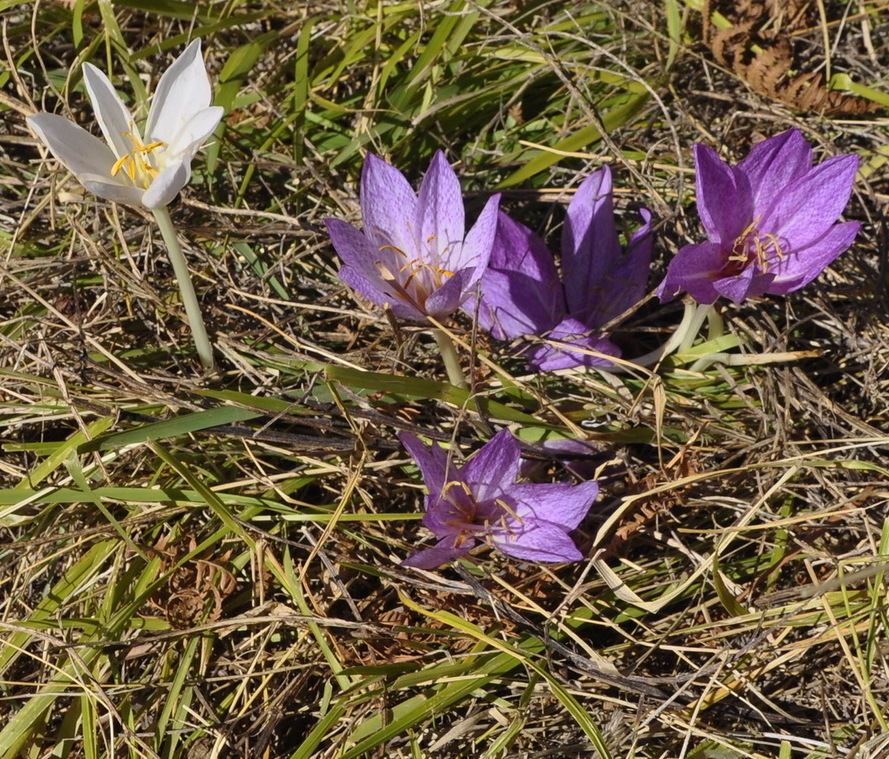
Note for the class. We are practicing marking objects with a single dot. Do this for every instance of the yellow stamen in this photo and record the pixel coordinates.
(764, 243)
(134, 162)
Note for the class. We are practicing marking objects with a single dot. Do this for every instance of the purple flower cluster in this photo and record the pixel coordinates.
(771, 225)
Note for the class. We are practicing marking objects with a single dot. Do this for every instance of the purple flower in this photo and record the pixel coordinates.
(414, 254)
(522, 293)
(771, 222)
(482, 501)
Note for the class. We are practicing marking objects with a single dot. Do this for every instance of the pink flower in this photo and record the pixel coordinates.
(771, 222)
(414, 254)
(482, 501)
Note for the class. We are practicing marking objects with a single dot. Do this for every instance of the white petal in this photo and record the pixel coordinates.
(107, 188)
(113, 117)
(182, 92)
(167, 184)
(73, 146)
(190, 138)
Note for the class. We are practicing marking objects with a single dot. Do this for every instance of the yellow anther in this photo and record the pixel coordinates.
(134, 162)
(763, 244)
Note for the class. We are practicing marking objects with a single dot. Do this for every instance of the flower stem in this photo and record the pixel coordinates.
(451, 360)
(186, 288)
(688, 319)
(701, 313)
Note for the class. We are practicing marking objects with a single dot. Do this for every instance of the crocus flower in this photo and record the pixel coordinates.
(770, 220)
(414, 254)
(482, 501)
(140, 171)
(522, 293)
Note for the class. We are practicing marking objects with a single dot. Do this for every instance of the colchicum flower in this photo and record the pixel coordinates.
(137, 170)
(770, 220)
(414, 254)
(482, 501)
(522, 294)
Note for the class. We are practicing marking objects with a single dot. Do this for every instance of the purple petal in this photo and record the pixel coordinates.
(389, 206)
(574, 334)
(432, 461)
(801, 266)
(774, 163)
(590, 247)
(748, 283)
(520, 293)
(362, 272)
(450, 296)
(494, 468)
(724, 199)
(479, 243)
(693, 270)
(559, 504)
(540, 542)
(440, 217)
(443, 552)
(809, 206)
(625, 284)
(380, 294)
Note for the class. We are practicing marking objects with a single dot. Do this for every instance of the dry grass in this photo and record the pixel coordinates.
(226, 583)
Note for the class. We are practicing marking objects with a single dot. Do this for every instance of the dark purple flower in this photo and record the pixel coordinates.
(482, 501)
(522, 293)
(414, 254)
(770, 220)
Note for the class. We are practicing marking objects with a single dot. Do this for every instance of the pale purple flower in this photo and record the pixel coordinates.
(481, 501)
(414, 254)
(770, 220)
(522, 293)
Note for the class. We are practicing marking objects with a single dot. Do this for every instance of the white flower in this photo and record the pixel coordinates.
(150, 171)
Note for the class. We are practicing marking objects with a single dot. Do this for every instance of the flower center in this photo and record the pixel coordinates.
(415, 280)
(754, 247)
(474, 520)
(135, 164)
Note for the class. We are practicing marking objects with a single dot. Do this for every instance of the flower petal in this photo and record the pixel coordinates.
(449, 297)
(167, 184)
(579, 341)
(479, 244)
(113, 116)
(559, 504)
(521, 293)
(183, 91)
(804, 211)
(801, 266)
(693, 270)
(388, 206)
(590, 248)
(188, 140)
(73, 146)
(494, 468)
(748, 283)
(432, 461)
(539, 542)
(724, 199)
(774, 163)
(443, 552)
(440, 217)
(625, 284)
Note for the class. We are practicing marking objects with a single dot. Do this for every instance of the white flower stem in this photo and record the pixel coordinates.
(715, 324)
(701, 313)
(186, 288)
(689, 317)
(450, 358)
